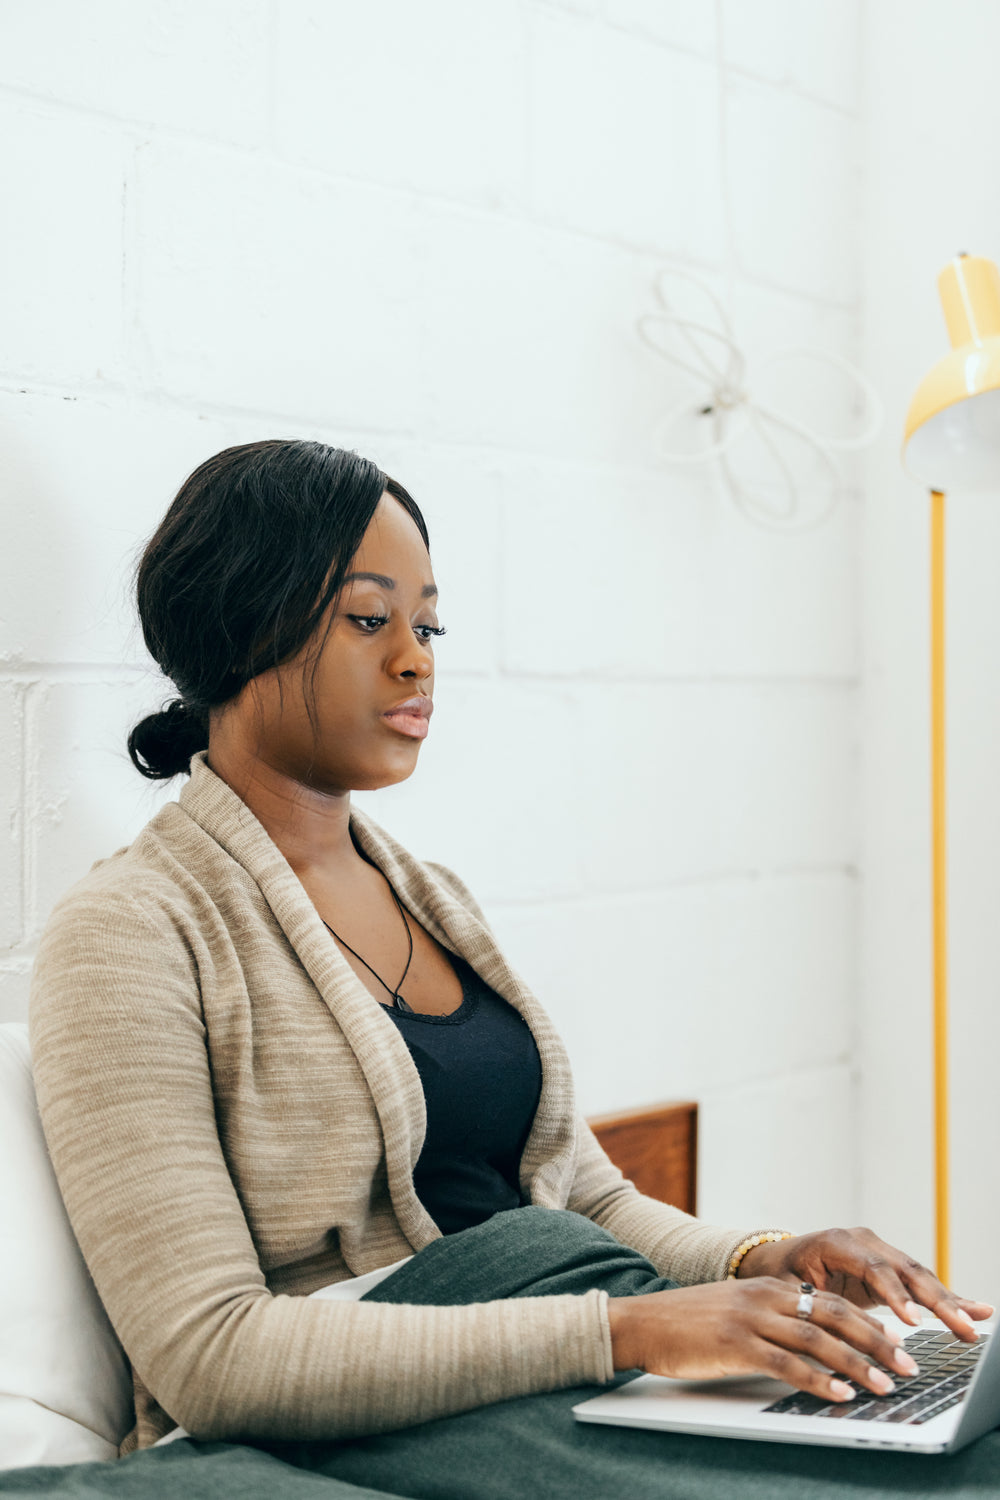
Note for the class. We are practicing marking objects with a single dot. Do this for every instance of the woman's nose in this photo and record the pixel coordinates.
(412, 658)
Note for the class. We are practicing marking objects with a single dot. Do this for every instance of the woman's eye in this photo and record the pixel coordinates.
(369, 623)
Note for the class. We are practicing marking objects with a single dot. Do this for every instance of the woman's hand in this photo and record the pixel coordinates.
(868, 1272)
(752, 1328)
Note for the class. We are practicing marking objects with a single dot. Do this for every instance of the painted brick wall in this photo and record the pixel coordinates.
(427, 232)
(928, 196)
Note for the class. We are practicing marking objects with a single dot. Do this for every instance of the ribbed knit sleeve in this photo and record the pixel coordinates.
(125, 1091)
(679, 1246)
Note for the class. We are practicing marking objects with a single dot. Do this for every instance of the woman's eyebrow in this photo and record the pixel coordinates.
(429, 590)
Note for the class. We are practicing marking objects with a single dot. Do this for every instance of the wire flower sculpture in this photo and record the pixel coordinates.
(709, 353)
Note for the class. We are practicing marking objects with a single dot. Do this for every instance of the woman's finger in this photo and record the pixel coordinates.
(913, 1287)
(836, 1334)
(842, 1339)
(776, 1296)
(849, 1349)
(782, 1364)
(883, 1284)
(960, 1314)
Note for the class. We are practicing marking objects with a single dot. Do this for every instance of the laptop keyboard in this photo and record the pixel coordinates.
(947, 1365)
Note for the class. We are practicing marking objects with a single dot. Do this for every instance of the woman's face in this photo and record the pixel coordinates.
(367, 683)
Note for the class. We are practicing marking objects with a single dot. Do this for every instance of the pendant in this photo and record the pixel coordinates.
(401, 1005)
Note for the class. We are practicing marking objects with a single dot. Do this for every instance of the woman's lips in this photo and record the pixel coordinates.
(411, 718)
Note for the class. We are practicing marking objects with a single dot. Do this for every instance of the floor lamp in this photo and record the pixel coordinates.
(952, 442)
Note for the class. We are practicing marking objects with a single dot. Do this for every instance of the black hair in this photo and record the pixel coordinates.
(239, 574)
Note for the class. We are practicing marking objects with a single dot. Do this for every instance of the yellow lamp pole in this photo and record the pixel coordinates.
(952, 441)
(939, 890)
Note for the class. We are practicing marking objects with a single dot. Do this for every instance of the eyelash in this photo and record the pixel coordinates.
(371, 623)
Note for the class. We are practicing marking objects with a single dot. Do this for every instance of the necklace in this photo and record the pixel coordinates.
(398, 1002)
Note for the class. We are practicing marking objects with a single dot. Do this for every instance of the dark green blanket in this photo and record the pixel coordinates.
(528, 1447)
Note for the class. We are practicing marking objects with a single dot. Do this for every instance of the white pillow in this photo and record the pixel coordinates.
(65, 1387)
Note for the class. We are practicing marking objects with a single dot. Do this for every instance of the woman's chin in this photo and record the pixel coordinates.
(390, 772)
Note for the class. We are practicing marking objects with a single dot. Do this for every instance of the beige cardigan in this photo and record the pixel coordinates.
(234, 1122)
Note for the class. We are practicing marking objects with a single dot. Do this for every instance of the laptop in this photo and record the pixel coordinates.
(954, 1398)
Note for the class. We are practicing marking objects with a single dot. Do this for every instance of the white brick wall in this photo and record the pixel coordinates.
(426, 98)
(426, 232)
(934, 132)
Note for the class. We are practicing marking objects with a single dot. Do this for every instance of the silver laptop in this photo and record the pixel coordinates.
(954, 1398)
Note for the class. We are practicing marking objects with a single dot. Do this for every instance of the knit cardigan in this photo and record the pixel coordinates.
(234, 1122)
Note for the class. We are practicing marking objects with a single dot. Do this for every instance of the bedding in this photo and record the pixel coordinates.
(559, 1463)
(65, 1384)
(527, 1446)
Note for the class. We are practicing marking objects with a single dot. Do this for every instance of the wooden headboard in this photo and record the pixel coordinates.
(657, 1148)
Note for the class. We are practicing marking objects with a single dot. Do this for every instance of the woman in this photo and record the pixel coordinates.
(274, 1052)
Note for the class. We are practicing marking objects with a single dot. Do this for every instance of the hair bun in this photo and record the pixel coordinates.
(161, 745)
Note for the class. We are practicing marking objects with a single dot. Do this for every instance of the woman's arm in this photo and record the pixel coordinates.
(751, 1325)
(684, 1248)
(125, 1091)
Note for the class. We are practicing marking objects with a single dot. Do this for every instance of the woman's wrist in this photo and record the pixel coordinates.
(750, 1249)
(623, 1323)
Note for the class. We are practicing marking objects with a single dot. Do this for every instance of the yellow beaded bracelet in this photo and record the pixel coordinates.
(769, 1237)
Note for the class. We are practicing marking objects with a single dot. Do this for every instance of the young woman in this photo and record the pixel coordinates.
(275, 1052)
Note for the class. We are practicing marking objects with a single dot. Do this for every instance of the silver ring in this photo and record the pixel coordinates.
(804, 1307)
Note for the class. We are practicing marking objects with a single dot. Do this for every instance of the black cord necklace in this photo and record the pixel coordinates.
(398, 1002)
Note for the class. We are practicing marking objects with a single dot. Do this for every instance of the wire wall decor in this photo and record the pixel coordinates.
(724, 397)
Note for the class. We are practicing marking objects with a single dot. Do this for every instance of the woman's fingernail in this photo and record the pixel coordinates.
(913, 1312)
(880, 1380)
(906, 1364)
(841, 1391)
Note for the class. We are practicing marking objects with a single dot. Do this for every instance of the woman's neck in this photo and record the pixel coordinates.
(311, 828)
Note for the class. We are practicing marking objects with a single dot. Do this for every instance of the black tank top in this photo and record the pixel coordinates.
(482, 1078)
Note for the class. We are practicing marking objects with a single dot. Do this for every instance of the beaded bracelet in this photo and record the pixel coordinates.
(769, 1237)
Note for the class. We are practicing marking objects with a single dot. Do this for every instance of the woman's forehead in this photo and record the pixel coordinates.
(393, 547)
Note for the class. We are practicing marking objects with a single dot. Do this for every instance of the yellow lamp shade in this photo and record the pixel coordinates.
(953, 426)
